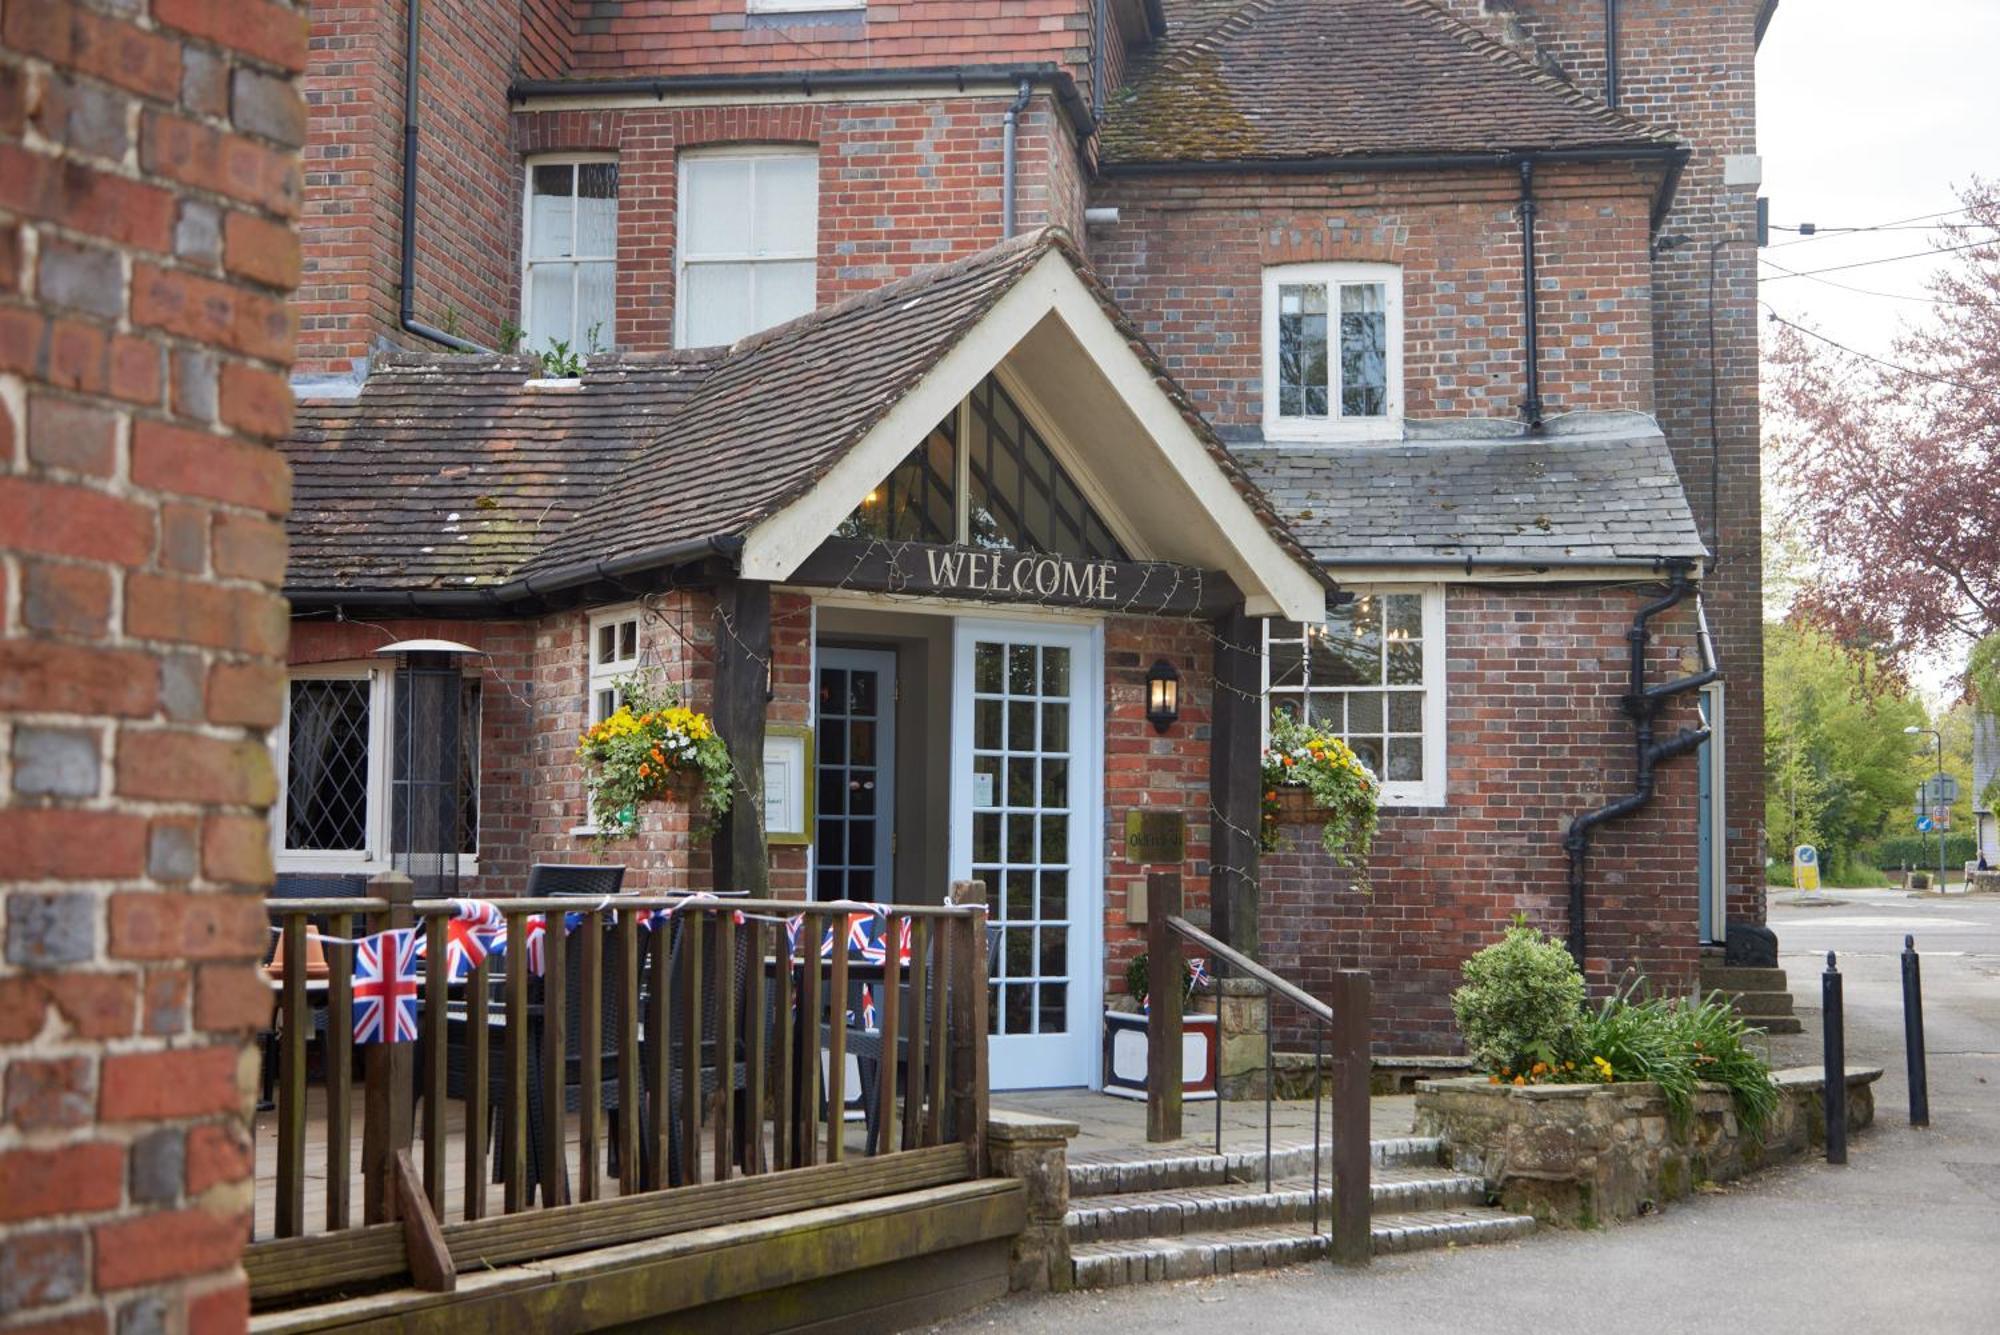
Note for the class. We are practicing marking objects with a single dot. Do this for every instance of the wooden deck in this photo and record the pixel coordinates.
(265, 1219)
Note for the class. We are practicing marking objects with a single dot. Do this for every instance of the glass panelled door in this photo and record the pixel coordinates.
(1025, 783)
(856, 775)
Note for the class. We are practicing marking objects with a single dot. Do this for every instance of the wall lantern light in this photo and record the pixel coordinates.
(1163, 695)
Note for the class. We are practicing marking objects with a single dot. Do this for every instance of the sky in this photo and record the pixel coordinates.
(1872, 113)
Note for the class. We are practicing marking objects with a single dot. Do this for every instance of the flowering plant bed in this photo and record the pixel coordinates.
(653, 749)
(1343, 793)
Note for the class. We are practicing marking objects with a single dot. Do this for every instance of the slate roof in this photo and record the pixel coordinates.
(1276, 79)
(447, 473)
(1603, 497)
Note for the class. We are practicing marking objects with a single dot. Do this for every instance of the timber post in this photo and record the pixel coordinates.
(389, 1074)
(969, 1093)
(742, 690)
(1352, 1242)
(1166, 995)
(1235, 780)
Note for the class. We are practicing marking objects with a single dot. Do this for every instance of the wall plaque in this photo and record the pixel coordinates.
(1153, 836)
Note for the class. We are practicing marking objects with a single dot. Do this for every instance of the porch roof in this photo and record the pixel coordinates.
(1600, 489)
(451, 474)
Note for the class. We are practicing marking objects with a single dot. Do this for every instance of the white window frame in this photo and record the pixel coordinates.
(1431, 790)
(374, 856)
(576, 335)
(682, 196)
(1334, 426)
(598, 677)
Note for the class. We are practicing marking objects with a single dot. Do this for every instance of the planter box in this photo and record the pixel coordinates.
(1580, 1155)
(1126, 1056)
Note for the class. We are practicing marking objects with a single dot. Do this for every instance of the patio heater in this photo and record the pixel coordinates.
(433, 747)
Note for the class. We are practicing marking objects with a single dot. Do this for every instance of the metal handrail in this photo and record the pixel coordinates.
(1248, 967)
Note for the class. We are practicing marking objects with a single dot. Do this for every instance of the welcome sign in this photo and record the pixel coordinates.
(867, 565)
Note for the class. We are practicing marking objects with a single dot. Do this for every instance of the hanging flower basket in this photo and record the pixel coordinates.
(1308, 764)
(653, 749)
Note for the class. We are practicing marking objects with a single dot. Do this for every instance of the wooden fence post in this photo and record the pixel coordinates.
(389, 1071)
(968, 1025)
(1352, 1241)
(1166, 995)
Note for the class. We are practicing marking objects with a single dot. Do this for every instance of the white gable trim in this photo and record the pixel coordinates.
(1273, 582)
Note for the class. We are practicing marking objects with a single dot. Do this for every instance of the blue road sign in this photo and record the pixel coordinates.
(1924, 825)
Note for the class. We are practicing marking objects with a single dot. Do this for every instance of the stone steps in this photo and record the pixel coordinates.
(1761, 996)
(1184, 1216)
(1234, 1205)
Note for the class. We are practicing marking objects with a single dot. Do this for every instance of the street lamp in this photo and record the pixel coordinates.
(1913, 730)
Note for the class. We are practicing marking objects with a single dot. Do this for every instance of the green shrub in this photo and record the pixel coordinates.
(1919, 851)
(1521, 1002)
(1677, 1044)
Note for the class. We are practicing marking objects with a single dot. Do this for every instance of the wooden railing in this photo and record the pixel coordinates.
(692, 1071)
(1342, 1034)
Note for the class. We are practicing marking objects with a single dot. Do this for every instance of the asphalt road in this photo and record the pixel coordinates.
(1906, 1237)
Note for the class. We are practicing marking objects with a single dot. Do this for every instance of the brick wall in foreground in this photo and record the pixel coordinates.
(149, 186)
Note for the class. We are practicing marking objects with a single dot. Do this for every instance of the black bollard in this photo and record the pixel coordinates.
(1913, 1034)
(1836, 1063)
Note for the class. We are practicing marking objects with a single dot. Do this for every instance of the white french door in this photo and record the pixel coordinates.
(1027, 724)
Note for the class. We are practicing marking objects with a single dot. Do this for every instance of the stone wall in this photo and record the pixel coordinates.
(1583, 1155)
(149, 189)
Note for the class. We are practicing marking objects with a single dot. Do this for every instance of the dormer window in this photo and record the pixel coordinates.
(1333, 351)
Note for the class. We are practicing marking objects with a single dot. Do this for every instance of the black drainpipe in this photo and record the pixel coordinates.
(1642, 704)
(1008, 130)
(1611, 53)
(1531, 406)
(413, 25)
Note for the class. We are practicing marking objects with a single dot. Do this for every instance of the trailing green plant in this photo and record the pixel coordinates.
(1303, 756)
(1139, 983)
(1520, 1004)
(510, 337)
(559, 362)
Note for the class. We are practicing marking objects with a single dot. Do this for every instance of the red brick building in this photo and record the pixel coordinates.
(1367, 375)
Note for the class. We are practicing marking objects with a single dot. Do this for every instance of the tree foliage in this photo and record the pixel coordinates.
(1839, 770)
(1887, 471)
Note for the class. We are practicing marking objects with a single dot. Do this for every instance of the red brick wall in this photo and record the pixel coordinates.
(1187, 256)
(903, 185)
(148, 189)
(1535, 738)
(468, 180)
(1690, 65)
(719, 36)
(1145, 768)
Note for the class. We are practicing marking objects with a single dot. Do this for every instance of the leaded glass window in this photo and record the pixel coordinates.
(327, 765)
(1018, 497)
(1372, 673)
(1332, 336)
(914, 503)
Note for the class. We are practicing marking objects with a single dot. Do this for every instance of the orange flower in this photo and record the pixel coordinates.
(1520, 1080)
(1291, 761)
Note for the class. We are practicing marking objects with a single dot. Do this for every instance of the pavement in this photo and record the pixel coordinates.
(1905, 1237)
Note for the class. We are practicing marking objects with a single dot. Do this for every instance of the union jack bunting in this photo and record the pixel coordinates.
(535, 933)
(864, 938)
(1197, 971)
(482, 915)
(386, 982)
(466, 946)
(793, 926)
(867, 1007)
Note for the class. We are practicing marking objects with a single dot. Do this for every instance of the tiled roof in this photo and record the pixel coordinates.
(447, 473)
(1609, 496)
(1277, 79)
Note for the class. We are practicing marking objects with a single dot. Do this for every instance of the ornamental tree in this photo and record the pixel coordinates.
(1887, 469)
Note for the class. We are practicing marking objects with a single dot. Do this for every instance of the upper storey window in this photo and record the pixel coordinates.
(749, 242)
(570, 254)
(1333, 354)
